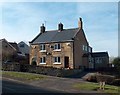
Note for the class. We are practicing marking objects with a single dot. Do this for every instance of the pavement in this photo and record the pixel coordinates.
(52, 83)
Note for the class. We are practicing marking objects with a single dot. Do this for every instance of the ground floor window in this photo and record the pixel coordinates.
(42, 60)
(56, 60)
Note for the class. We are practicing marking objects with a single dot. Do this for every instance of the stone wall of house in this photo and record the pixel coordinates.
(7, 51)
(80, 40)
(66, 50)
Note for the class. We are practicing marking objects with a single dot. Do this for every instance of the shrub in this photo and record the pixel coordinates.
(106, 78)
(116, 63)
(116, 82)
(33, 63)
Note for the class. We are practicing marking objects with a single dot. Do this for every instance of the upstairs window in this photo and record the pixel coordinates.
(42, 48)
(85, 48)
(57, 46)
(90, 49)
(42, 60)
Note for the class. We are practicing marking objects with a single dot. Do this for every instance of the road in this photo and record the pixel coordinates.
(12, 87)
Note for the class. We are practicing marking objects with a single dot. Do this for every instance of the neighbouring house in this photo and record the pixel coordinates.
(24, 49)
(100, 59)
(62, 48)
(8, 51)
(96, 60)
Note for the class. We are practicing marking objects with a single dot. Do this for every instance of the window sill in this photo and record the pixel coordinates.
(56, 63)
(42, 63)
(42, 50)
(57, 50)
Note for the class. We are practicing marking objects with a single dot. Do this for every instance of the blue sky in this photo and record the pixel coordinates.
(21, 21)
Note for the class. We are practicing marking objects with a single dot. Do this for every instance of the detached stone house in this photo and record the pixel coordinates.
(60, 48)
(8, 50)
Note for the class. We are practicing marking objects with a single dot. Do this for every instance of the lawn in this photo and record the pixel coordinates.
(21, 75)
(89, 86)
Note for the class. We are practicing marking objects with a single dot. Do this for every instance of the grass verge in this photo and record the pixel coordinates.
(89, 86)
(21, 75)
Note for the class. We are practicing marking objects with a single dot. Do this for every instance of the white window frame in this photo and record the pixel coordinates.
(57, 60)
(89, 49)
(83, 47)
(86, 48)
(57, 47)
(42, 48)
(43, 60)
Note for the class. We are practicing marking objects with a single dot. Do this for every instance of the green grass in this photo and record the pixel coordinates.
(89, 86)
(26, 76)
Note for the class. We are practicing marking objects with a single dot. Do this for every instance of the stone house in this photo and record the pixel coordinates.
(61, 48)
(24, 49)
(8, 51)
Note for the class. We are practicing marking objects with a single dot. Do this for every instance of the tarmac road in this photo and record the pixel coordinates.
(16, 88)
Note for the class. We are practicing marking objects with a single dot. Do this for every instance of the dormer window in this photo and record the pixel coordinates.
(57, 47)
(42, 48)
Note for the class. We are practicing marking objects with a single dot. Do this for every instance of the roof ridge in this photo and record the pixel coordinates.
(63, 29)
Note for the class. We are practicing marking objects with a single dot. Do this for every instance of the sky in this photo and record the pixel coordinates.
(21, 21)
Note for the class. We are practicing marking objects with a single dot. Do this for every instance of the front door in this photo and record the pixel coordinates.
(66, 62)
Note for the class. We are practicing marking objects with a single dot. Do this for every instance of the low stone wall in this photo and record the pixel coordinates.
(11, 67)
(40, 70)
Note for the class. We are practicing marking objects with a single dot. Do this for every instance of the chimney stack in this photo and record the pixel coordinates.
(42, 28)
(60, 26)
(80, 24)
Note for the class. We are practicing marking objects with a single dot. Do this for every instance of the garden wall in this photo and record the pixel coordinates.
(40, 69)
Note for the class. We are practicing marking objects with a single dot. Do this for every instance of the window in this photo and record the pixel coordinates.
(85, 48)
(90, 49)
(57, 46)
(42, 48)
(42, 60)
(22, 45)
(57, 60)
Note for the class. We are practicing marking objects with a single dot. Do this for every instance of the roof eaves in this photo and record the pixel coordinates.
(51, 42)
(10, 44)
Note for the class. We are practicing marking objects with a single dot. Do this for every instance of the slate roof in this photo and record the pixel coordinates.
(96, 54)
(55, 36)
(24, 49)
(14, 45)
(99, 54)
